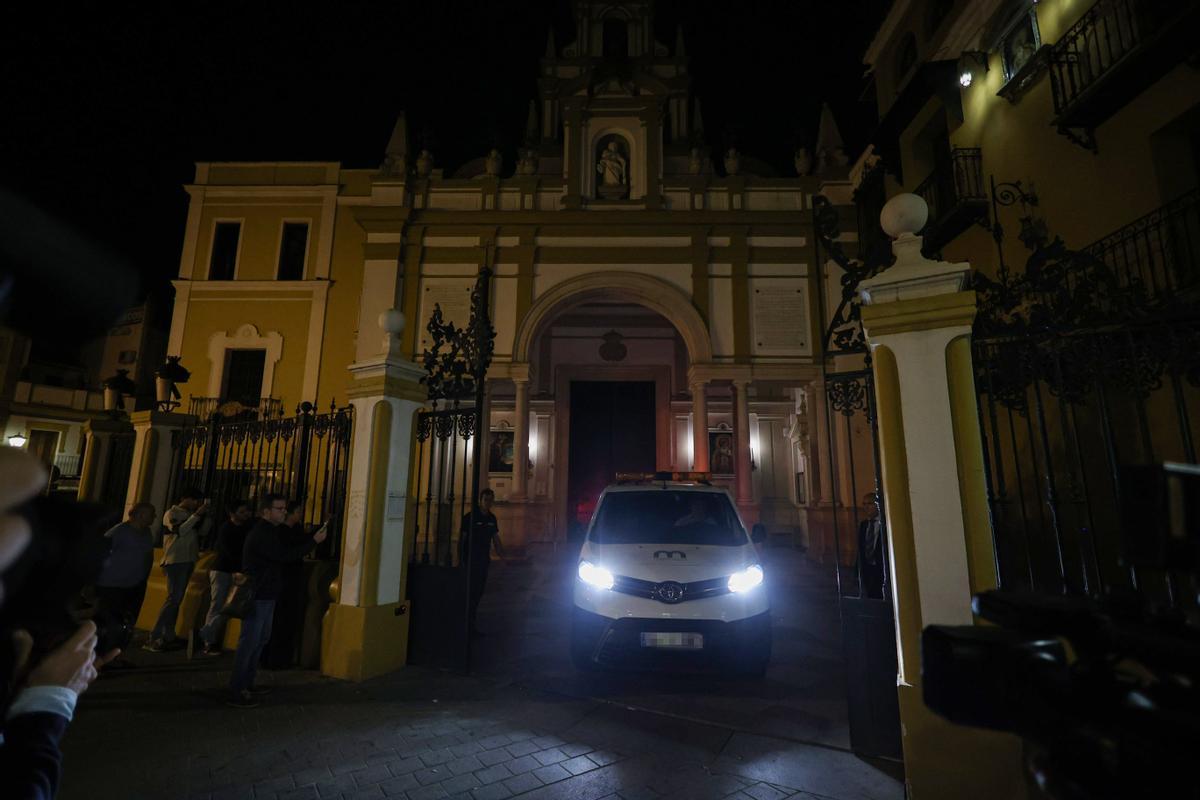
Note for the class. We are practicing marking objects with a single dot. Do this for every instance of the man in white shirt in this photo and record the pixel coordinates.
(184, 524)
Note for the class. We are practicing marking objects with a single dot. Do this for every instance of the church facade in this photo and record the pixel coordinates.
(653, 309)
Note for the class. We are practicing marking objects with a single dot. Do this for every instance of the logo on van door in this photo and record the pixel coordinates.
(670, 554)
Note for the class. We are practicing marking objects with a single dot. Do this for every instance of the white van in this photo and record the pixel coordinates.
(668, 576)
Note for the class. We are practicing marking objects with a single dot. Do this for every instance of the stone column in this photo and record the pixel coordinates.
(152, 459)
(99, 433)
(741, 416)
(917, 321)
(520, 377)
(365, 630)
(699, 426)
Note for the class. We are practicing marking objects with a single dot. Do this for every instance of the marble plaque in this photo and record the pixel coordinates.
(454, 300)
(780, 317)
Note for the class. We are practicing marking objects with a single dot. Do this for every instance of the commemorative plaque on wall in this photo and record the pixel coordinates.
(780, 316)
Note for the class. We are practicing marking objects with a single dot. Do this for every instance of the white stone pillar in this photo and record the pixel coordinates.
(699, 426)
(741, 416)
(97, 454)
(520, 378)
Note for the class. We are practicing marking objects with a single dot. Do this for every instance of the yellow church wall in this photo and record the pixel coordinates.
(341, 316)
(284, 312)
(262, 228)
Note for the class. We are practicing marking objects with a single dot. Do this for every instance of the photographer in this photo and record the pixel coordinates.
(186, 523)
(43, 693)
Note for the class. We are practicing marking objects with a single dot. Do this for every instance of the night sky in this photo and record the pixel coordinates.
(105, 111)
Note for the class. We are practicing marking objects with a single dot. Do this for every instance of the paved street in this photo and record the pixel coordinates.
(522, 725)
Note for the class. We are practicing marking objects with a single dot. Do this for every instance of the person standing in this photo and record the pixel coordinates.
(870, 549)
(122, 582)
(475, 550)
(280, 652)
(185, 523)
(265, 551)
(230, 541)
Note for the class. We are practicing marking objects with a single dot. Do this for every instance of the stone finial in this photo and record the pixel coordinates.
(494, 163)
(903, 216)
(392, 323)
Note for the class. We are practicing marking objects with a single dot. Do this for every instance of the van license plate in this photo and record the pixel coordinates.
(673, 640)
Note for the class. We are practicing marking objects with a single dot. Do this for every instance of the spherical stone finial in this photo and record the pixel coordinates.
(392, 321)
(903, 214)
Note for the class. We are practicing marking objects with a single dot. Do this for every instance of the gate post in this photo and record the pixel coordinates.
(99, 434)
(365, 630)
(917, 320)
(150, 468)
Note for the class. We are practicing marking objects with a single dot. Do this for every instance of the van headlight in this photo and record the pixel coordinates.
(595, 576)
(747, 579)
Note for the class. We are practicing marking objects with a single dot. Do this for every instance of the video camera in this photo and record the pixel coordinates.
(1104, 691)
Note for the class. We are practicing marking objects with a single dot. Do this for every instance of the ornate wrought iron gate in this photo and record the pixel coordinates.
(1087, 366)
(305, 457)
(857, 517)
(115, 482)
(449, 449)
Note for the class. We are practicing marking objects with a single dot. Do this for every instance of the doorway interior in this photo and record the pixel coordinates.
(611, 430)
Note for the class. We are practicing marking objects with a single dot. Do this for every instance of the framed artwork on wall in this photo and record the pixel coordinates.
(720, 452)
(500, 450)
(1019, 44)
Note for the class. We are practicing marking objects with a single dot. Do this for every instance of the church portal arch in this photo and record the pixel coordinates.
(646, 290)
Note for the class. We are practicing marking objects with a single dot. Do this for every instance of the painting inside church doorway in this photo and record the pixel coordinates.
(611, 430)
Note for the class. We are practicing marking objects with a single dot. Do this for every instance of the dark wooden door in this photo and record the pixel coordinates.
(612, 430)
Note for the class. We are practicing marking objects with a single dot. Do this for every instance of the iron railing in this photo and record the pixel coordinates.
(305, 458)
(68, 464)
(1087, 364)
(1099, 41)
(263, 408)
(955, 194)
(114, 482)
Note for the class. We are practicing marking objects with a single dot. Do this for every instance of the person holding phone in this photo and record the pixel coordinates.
(184, 524)
(265, 551)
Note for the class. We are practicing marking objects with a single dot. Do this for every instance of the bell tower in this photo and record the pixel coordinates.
(616, 102)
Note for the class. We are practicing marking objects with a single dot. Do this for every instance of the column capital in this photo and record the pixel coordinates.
(521, 372)
(954, 311)
(161, 419)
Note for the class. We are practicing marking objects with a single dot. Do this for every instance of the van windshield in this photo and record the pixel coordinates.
(668, 517)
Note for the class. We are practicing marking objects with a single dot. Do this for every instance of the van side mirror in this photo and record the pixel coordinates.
(758, 534)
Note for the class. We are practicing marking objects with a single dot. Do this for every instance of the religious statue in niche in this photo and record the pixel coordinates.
(612, 168)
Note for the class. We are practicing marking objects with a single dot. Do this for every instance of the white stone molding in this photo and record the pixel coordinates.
(246, 337)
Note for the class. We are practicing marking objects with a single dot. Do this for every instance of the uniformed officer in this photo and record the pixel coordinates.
(477, 541)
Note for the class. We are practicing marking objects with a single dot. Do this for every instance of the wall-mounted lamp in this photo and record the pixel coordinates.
(166, 394)
(116, 389)
(17, 440)
(967, 74)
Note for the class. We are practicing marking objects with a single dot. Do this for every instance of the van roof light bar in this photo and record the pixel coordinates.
(681, 477)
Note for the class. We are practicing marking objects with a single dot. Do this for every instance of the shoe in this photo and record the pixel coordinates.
(209, 652)
(260, 691)
(154, 646)
(243, 699)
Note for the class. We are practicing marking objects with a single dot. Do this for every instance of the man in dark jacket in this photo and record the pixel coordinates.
(265, 550)
(230, 541)
(475, 549)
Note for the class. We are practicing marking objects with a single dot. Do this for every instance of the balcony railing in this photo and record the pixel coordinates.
(1115, 50)
(955, 195)
(1155, 259)
(68, 464)
(259, 408)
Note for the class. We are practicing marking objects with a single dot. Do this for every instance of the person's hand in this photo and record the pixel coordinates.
(321, 534)
(203, 508)
(21, 477)
(74, 664)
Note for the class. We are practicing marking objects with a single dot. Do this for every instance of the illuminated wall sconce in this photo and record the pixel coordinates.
(17, 440)
(967, 73)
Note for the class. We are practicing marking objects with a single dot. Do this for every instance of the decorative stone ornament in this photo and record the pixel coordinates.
(424, 164)
(528, 162)
(613, 348)
(904, 215)
(494, 163)
(612, 168)
(695, 162)
(802, 161)
(733, 161)
(116, 388)
(165, 379)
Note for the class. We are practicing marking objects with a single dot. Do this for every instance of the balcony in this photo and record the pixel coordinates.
(260, 408)
(1115, 50)
(955, 195)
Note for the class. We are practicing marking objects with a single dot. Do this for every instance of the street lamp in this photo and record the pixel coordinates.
(165, 378)
(17, 440)
(115, 390)
(966, 74)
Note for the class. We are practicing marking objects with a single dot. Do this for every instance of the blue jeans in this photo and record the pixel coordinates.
(256, 632)
(177, 581)
(214, 624)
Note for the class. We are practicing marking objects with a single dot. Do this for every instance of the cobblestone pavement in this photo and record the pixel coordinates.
(524, 725)
(160, 730)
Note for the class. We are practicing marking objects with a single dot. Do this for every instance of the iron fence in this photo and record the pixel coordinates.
(305, 458)
(263, 407)
(1087, 364)
(445, 488)
(114, 484)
